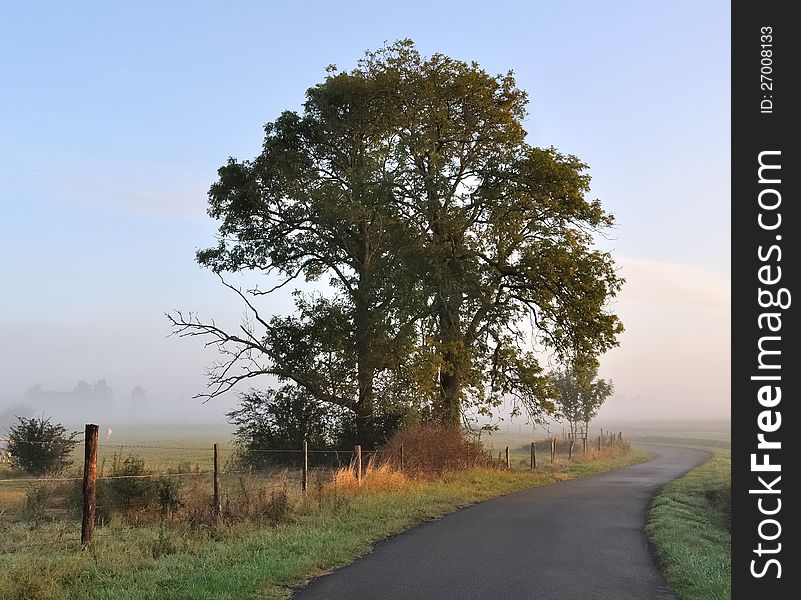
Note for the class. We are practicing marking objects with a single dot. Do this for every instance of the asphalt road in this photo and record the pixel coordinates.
(576, 540)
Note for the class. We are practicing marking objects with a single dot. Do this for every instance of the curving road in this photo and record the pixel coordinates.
(579, 539)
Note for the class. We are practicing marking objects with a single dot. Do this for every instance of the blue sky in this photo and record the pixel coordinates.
(114, 119)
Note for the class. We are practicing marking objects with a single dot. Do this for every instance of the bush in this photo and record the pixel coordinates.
(130, 488)
(431, 451)
(168, 491)
(273, 421)
(38, 446)
(279, 419)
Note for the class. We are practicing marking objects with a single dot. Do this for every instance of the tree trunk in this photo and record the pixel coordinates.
(365, 424)
(450, 392)
(365, 406)
(451, 377)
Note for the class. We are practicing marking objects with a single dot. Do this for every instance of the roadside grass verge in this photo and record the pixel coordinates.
(689, 526)
(331, 527)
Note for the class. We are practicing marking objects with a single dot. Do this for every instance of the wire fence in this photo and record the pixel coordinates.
(140, 482)
(24, 495)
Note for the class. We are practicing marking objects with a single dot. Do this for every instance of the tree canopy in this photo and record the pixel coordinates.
(455, 251)
(581, 393)
(38, 446)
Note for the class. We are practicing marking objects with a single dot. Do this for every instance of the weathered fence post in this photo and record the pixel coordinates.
(508, 462)
(89, 484)
(599, 443)
(570, 450)
(533, 457)
(620, 437)
(304, 482)
(217, 506)
(553, 449)
(359, 464)
(584, 444)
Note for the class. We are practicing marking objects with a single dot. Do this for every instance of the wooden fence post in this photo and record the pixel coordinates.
(584, 444)
(89, 484)
(508, 463)
(359, 464)
(533, 457)
(304, 482)
(570, 450)
(553, 448)
(599, 443)
(620, 437)
(217, 506)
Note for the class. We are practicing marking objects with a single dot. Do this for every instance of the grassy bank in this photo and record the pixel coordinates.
(251, 559)
(689, 526)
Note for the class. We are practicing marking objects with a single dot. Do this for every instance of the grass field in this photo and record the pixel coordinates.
(689, 526)
(254, 558)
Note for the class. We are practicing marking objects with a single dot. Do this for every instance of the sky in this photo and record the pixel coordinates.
(114, 118)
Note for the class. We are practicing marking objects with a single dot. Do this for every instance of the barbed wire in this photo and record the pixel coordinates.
(150, 447)
(72, 440)
(156, 475)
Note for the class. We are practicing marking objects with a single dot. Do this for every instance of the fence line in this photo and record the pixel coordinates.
(357, 460)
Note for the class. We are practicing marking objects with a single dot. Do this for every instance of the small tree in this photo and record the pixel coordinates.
(581, 393)
(38, 446)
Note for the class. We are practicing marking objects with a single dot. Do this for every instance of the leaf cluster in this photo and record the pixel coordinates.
(38, 446)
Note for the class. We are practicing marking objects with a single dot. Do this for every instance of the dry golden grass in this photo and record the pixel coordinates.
(376, 476)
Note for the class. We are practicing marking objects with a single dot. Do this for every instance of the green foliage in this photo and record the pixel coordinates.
(129, 486)
(452, 247)
(38, 446)
(281, 420)
(581, 393)
(131, 489)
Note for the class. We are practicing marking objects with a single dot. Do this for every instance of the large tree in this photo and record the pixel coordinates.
(504, 231)
(316, 203)
(456, 251)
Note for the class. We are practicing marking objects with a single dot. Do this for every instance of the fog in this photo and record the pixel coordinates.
(672, 362)
(110, 152)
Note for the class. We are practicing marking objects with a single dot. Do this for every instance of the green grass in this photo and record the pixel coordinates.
(689, 526)
(248, 560)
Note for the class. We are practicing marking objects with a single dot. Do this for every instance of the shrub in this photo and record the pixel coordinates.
(279, 419)
(38, 446)
(431, 451)
(132, 491)
(168, 491)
